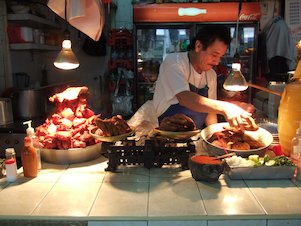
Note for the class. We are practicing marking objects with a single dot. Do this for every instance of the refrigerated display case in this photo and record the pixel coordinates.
(160, 29)
(153, 43)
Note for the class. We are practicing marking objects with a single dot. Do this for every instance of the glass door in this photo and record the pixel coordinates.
(153, 43)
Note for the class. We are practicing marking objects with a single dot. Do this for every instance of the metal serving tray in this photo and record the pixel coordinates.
(262, 172)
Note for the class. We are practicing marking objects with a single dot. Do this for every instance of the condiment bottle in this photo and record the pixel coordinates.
(289, 112)
(29, 159)
(296, 141)
(10, 165)
(296, 152)
(30, 133)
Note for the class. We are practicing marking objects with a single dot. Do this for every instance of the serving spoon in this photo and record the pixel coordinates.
(225, 155)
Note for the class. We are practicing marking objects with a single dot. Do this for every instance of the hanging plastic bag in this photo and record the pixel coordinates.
(144, 121)
(122, 104)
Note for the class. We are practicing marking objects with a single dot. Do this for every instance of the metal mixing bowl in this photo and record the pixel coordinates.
(261, 135)
(71, 156)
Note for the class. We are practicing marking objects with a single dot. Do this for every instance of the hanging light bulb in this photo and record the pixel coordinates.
(235, 80)
(66, 59)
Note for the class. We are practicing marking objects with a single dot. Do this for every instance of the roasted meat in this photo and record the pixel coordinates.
(249, 125)
(177, 123)
(112, 127)
(234, 139)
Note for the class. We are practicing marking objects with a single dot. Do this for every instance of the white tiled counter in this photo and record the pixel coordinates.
(85, 194)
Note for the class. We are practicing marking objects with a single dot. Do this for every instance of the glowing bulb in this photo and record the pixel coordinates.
(235, 80)
(66, 59)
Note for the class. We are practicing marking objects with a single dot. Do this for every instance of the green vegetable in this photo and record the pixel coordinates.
(283, 161)
(268, 161)
(254, 158)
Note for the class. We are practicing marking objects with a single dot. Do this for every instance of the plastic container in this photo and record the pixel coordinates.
(289, 112)
(296, 141)
(10, 165)
(296, 151)
(29, 159)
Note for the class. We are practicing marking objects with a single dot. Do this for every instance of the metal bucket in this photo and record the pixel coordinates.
(29, 104)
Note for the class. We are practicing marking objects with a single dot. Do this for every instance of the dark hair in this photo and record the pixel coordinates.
(209, 34)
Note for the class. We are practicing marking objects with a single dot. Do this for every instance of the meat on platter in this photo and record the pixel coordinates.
(111, 127)
(235, 139)
(177, 123)
(69, 126)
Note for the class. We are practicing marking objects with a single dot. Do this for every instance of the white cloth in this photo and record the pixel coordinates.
(85, 15)
(173, 79)
(279, 41)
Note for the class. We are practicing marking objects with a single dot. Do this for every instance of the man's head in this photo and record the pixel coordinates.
(208, 34)
(208, 46)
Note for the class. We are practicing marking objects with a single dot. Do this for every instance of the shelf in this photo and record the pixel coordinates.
(32, 46)
(31, 20)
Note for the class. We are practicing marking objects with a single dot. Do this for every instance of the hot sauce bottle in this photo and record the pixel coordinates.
(30, 133)
(29, 159)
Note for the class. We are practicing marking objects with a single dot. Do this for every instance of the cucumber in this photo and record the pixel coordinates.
(270, 162)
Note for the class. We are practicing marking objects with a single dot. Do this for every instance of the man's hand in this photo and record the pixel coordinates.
(246, 106)
(236, 116)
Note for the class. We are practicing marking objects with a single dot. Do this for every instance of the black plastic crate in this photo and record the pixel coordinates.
(155, 153)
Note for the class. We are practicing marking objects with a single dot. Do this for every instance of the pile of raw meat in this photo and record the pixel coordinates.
(69, 126)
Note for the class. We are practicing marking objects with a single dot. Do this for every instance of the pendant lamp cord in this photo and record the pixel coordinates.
(237, 22)
(67, 33)
(66, 10)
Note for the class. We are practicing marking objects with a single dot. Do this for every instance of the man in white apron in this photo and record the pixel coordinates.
(187, 83)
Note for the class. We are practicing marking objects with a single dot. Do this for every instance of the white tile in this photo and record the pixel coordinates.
(169, 171)
(177, 223)
(169, 198)
(226, 197)
(128, 174)
(277, 196)
(96, 165)
(22, 199)
(117, 223)
(49, 173)
(84, 177)
(289, 222)
(91, 171)
(237, 223)
(121, 199)
(68, 199)
(50, 166)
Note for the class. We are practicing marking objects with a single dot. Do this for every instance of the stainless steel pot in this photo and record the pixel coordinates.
(29, 104)
(6, 115)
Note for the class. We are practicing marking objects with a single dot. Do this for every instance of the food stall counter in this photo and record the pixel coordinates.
(87, 194)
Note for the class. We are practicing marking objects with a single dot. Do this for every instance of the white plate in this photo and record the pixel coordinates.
(177, 135)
